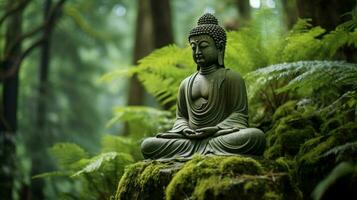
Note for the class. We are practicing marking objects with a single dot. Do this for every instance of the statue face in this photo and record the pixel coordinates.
(204, 50)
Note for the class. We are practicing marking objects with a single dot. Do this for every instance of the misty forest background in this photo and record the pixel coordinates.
(76, 102)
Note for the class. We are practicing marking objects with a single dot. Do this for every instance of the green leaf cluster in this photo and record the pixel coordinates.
(96, 177)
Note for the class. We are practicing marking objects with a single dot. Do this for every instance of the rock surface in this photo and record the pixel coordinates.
(208, 177)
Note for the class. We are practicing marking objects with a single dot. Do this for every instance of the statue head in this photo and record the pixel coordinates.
(208, 42)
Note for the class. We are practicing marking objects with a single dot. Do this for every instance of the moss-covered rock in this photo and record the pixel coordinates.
(339, 184)
(288, 134)
(318, 156)
(146, 180)
(208, 177)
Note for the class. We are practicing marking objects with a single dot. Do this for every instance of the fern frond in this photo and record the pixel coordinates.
(67, 154)
(120, 73)
(342, 170)
(99, 161)
(51, 174)
(111, 143)
(162, 71)
(337, 39)
(147, 115)
(311, 75)
(352, 23)
(340, 151)
(301, 43)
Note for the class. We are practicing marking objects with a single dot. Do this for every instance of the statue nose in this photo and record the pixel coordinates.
(198, 52)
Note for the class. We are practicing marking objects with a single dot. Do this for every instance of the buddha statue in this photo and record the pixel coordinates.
(212, 106)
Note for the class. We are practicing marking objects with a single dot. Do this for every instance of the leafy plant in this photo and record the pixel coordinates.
(340, 178)
(151, 120)
(96, 176)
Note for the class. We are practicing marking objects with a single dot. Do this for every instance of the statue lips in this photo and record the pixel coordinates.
(199, 59)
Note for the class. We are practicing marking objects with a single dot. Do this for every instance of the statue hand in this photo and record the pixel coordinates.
(208, 130)
(191, 134)
(169, 135)
(225, 131)
(188, 131)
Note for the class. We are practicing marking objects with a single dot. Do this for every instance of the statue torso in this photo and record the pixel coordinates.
(200, 89)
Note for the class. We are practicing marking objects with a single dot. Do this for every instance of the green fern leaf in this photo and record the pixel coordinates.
(99, 161)
(51, 174)
(67, 154)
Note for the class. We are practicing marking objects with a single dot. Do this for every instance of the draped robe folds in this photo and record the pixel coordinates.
(226, 107)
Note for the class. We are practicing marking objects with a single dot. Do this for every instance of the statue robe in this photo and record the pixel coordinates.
(225, 107)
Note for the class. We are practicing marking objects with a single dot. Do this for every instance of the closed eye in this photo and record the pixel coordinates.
(204, 44)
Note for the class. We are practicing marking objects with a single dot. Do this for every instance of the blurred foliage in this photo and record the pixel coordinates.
(95, 177)
(93, 37)
(247, 50)
(88, 40)
(151, 120)
(326, 189)
(323, 89)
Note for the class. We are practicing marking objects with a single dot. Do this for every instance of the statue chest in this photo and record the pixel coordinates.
(200, 88)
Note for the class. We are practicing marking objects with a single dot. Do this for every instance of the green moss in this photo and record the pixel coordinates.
(272, 196)
(315, 147)
(291, 140)
(223, 177)
(141, 180)
(273, 151)
(331, 124)
(211, 187)
(206, 177)
(288, 140)
(312, 166)
(284, 110)
(286, 163)
(150, 175)
(186, 179)
(129, 179)
(216, 187)
(249, 187)
(240, 165)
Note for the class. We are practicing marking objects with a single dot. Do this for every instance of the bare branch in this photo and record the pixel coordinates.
(51, 19)
(20, 6)
(13, 69)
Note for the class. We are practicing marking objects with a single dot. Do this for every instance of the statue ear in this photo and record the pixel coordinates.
(221, 53)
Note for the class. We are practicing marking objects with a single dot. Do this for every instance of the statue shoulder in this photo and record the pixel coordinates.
(234, 76)
(184, 82)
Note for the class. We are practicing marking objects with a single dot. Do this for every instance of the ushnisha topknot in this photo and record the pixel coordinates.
(208, 25)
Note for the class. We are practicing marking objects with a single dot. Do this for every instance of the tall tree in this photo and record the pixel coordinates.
(244, 9)
(290, 12)
(12, 56)
(328, 14)
(325, 13)
(162, 23)
(8, 115)
(153, 30)
(44, 66)
(143, 46)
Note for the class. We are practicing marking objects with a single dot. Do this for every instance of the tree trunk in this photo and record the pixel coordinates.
(244, 9)
(143, 46)
(328, 14)
(44, 68)
(325, 13)
(8, 124)
(290, 12)
(153, 30)
(162, 23)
